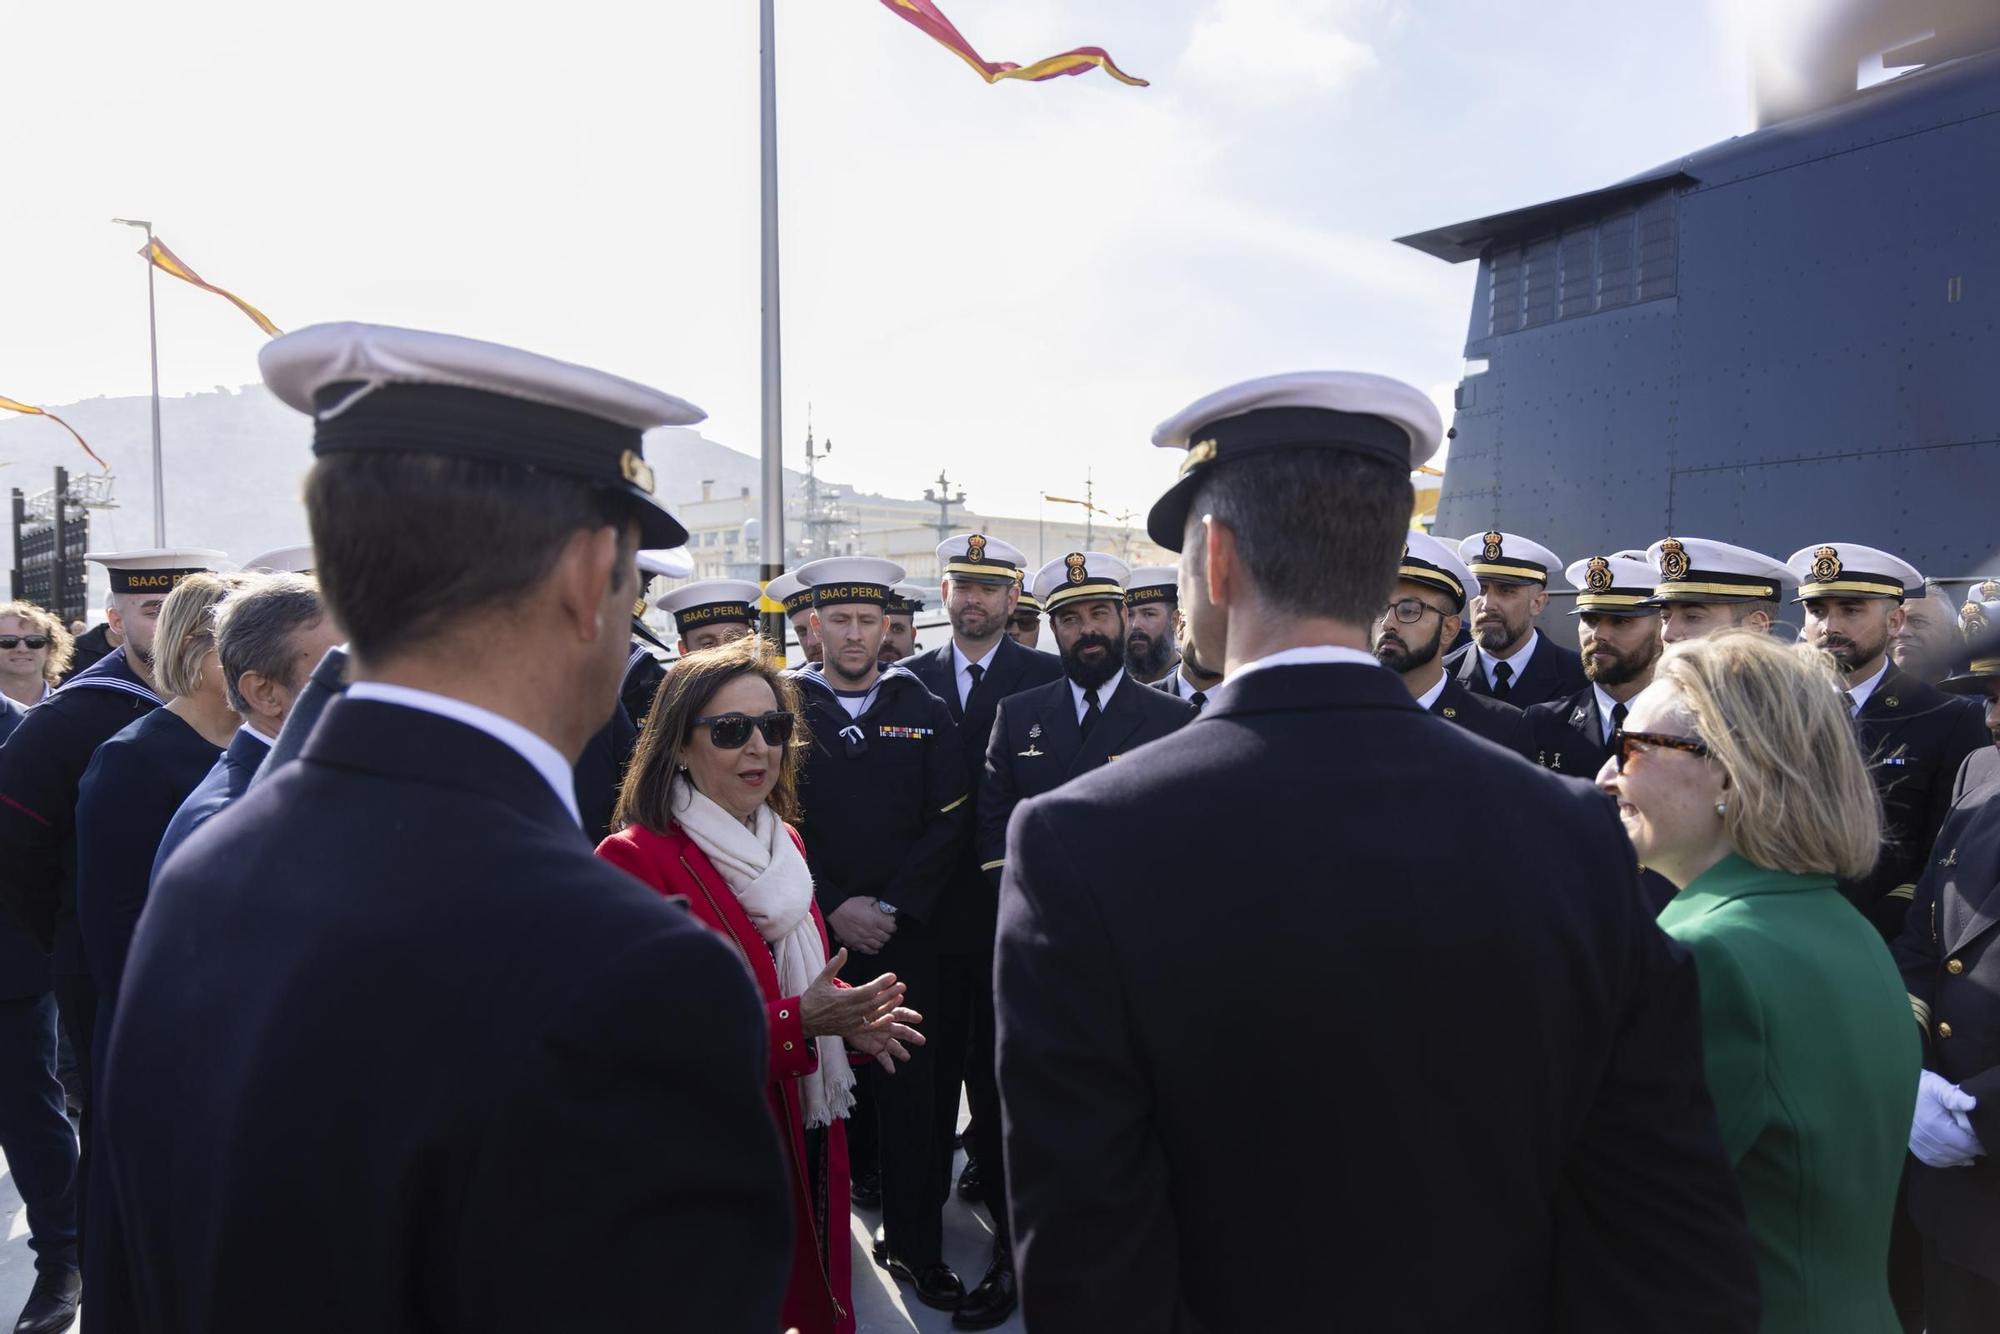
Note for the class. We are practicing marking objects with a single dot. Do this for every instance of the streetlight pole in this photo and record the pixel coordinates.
(153, 341)
(773, 500)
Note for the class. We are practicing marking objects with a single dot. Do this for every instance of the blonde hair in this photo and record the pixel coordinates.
(1800, 798)
(187, 630)
(62, 645)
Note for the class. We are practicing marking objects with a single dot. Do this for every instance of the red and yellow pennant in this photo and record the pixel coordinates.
(925, 15)
(166, 261)
(10, 405)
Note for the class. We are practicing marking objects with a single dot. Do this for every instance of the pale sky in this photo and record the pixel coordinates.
(1012, 282)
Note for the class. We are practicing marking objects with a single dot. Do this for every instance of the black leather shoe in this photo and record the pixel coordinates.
(970, 1188)
(937, 1286)
(993, 1300)
(51, 1307)
(866, 1190)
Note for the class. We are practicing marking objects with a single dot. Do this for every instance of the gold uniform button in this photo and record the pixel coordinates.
(1954, 968)
(1944, 1030)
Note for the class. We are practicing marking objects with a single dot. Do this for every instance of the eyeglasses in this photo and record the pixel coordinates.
(1624, 744)
(1410, 610)
(17, 641)
(731, 731)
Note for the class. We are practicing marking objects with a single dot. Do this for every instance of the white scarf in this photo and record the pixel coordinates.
(768, 876)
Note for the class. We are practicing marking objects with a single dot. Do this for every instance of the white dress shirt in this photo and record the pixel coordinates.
(1307, 654)
(248, 730)
(1430, 697)
(960, 673)
(1605, 704)
(1518, 659)
(1859, 694)
(1104, 694)
(545, 758)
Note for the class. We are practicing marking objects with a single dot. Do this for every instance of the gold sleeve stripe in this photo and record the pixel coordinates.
(1922, 1012)
(1902, 892)
(993, 866)
(955, 805)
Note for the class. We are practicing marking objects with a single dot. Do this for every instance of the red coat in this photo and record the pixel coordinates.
(819, 1299)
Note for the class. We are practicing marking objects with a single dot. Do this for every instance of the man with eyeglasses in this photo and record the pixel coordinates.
(884, 787)
(1424, 613)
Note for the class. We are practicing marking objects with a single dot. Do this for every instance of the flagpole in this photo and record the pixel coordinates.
(771, 536)
(153, 343)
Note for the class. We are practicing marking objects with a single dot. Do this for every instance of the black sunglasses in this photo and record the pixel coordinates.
(32, 641)
(731, 731)
(1624, 743)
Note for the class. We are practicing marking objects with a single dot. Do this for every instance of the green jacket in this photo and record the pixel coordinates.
(1812, 1062)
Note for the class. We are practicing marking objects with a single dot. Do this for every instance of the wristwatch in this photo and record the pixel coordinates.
(886, 908)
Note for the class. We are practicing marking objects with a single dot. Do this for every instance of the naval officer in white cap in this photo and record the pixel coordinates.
(1154, 1186)
(1913, 735)
(1423, 614)
(1509, 658)
(1704, 586)
(427, 1020)
(1618, 629)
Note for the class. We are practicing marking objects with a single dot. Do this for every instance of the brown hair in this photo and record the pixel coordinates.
(1774, 718)
(646, 798)
(62, 645)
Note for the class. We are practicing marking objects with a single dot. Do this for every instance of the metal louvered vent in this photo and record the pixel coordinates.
(1621, 259)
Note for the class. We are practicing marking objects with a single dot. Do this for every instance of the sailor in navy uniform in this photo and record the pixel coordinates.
(1619, 633)
(982, 665)
(1913, 735)
(899, 634)
(709, 612)
(1545, 1074)
(1949, 953)
(790, 592)
(1425, 610)
(427, 1020)
(1509, 658)
(1979, 623)
(1152, 639)
(1093, 715)
(885, 801)
(644, 665)
(1703, 586)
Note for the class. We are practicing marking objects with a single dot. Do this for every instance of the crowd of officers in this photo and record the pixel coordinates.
(919, 762)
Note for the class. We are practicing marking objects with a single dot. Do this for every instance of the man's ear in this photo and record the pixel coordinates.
(1537, 602)
(1218, 559)
(585, 577)
(1897, 619)
(1760, 618)
(1450, 627)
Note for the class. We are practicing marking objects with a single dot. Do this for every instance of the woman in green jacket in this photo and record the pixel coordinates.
(1738, 778)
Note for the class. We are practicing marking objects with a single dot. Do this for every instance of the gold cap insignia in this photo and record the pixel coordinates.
(1673, 559)
(1974, 617)
(636, 471)
(1492, 549)
(975, 547)
(1826, 565)
(1990, 590)
(1597, 578)
(1199, 453)
(1075, 563)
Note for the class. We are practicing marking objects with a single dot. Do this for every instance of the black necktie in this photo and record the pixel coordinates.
(978, 674)
(1091, 713)
(1618, 712)
(1503, 679)
(1198, 698)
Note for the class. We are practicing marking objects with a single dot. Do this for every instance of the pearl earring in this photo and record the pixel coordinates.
(1721, 808)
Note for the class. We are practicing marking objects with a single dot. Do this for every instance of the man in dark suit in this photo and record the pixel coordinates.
(1619, 634)
(1913, 735)
(1432, 586)
(1951, 966)
(981, 666)
(1478, 1076)
(1508, 657)
(1091, 716)
(427, 1020)
(268, 637)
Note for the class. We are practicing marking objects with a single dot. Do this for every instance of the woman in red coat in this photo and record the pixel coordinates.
(705, 810)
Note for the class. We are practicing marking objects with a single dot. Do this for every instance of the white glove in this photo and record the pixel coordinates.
(1942, 1134)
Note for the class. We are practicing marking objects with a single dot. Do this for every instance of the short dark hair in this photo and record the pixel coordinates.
(254, 629)
(404, 544)
(1320, 531)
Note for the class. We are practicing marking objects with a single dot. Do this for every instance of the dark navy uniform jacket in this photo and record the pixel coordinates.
(1552, 672)
(129, 794)
(1037, 745)
(1914, 737)
(396, 1053)
(228, 780)
(24, 969)
(643, 673)
(1568, 735)
(968, 919)
(1949, 951)
(1439, 1101)
(1483, 716)
(41, 767)
(882, 796)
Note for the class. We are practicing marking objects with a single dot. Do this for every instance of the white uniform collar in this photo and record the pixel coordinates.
(245, 729)
(1859, 694)
(545, 758)
(1307, 654)
(1518, 659)
(1104, 693)
(1430, 697)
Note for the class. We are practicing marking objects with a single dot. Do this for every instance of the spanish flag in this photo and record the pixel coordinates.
(925, 15)
(166, 261)
(9, 405)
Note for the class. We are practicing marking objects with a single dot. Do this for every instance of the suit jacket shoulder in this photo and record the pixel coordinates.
(1496, 721)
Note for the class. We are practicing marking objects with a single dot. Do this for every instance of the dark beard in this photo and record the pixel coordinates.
(1150, 660)
(1622, 670)
(1497, 639)
(1405, 660)
(1092, 675)
(1850, 655)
